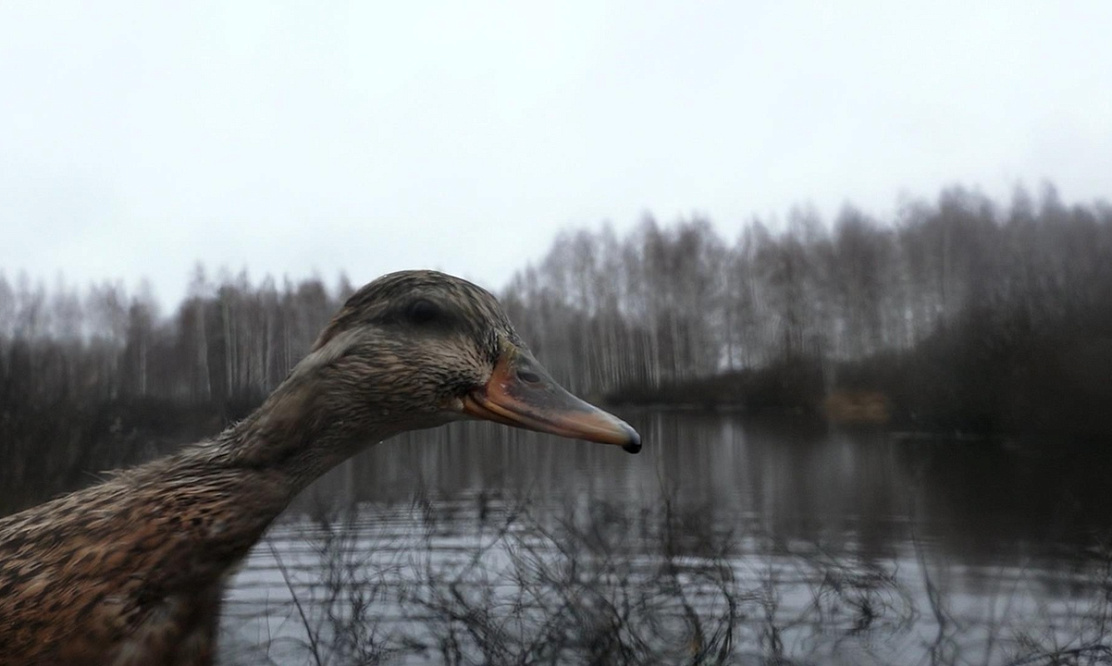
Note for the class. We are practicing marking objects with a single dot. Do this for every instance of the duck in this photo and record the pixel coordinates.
(132, 571)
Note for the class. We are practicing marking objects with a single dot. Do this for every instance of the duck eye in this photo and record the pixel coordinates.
(423, 311)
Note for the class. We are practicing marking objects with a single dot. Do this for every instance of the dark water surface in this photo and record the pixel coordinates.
(726, 539)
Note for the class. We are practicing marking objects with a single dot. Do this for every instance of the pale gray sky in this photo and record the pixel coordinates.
(139, 137)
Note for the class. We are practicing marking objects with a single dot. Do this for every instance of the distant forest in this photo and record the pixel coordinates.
(962, 315)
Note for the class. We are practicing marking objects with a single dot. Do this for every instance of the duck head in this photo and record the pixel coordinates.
(417, 349)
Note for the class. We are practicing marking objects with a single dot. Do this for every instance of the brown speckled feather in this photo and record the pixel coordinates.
(131, 571)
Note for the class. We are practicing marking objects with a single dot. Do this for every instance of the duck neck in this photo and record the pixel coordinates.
(288, 442)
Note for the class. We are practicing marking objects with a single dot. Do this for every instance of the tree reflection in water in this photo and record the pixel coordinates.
(729, 542)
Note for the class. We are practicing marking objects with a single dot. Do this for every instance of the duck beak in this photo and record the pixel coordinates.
(520, 393)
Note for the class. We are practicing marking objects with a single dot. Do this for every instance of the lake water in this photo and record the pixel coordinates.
(727, 540)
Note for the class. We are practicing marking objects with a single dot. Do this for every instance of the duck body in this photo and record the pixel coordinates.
(121, 574)
(132, 571)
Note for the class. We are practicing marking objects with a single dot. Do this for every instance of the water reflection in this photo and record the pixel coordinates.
(789, 540)
(726, 539)
(862, 492)
(729, 538)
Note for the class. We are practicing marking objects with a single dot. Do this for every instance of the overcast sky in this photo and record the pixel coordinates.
(138, 138)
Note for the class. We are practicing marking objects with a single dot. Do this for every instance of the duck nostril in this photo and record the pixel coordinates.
(528, 377)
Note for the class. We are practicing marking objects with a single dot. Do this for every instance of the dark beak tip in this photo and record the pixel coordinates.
(634, 443)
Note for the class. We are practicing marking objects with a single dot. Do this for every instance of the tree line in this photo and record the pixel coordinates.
(228, 340)
(966, 312)
(97, 378)
(679, 301)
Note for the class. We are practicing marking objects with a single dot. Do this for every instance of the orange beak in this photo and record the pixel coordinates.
(520, 393)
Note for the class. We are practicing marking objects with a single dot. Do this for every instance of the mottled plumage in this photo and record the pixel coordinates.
(131, 571)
